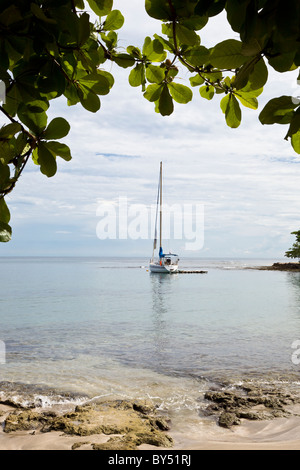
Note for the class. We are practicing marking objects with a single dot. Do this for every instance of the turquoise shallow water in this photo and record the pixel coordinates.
(107, 327)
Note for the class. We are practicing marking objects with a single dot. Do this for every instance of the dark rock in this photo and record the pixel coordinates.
(248, 402)
(252, 416)
(227, 419)
(281, 267)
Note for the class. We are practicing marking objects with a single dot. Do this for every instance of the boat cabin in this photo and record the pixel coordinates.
(170, 259)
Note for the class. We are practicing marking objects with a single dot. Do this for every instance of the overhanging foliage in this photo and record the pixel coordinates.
(51, 48)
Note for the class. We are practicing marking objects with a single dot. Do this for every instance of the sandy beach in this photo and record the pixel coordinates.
(275, 434)
(283, 434)
(279, 434)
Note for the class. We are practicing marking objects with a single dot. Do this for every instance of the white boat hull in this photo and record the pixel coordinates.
(157, 268)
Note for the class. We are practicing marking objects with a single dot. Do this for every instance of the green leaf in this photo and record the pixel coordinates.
(7, 153)
(295, 124)
(39, 13)
(232, 110)
(89, 100)
(209, 7)
(79, 4)
(154, 50)
(83, 28)
(283, 62)
(196, 80)
(8, 131)
(137, 75)
(33, 115)
(153, 92)
(252, 74)
(197, 56)
(194, 22)
(187, 36)
(51, 80)
(4, 212)
(207, 92)
(99, 82)
(114, 20)
(252, 47)
(213, 76)
(46, 160)
(4, 174)
(259, 75)
(171, 72)
(248, 99)
(244, 73)
(155, 74)
(59, 149)
(165, 102)
(227, 54)
(101, 7)
(158, 9)
(278, 110)
(10, 15)
(123, 60)
(110, 39)
(295, 140)
(5, 232)
(57, 129)
(236, 12)
(167, 45)
(71, 93)
(134, 51)
(180, 93)
(183, 8)
(108, 76)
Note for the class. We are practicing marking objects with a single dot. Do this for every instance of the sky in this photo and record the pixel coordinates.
(231, 193)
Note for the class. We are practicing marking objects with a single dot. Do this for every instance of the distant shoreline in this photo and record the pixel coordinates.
(293, 267)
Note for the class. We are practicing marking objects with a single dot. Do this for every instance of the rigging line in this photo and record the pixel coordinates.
(156, 216)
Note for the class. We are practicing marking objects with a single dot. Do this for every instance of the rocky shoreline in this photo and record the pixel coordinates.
(137, 424)
(294, 267)
(124, 424)
(250, 402)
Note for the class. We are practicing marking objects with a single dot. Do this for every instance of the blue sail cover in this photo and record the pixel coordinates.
(161, 254)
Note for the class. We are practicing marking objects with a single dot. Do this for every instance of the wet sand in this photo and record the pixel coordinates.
(282, 435)
(278, 434)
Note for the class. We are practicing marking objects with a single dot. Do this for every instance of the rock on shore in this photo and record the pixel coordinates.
(249, 402)
(129, 423)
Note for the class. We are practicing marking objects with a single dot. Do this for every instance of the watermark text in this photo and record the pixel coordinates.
(121, 220)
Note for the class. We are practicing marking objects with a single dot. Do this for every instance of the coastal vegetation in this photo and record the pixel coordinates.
(294, 252)
(51, 49)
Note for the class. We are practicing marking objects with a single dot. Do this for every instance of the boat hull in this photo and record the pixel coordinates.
(157, 268)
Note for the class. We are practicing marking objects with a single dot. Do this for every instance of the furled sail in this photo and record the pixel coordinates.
(156, 217)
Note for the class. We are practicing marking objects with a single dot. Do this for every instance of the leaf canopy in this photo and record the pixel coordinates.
(56, 49)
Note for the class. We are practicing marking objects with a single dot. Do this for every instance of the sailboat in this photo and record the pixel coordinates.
(166, 263)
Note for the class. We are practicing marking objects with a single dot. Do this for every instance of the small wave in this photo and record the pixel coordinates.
(37, 396)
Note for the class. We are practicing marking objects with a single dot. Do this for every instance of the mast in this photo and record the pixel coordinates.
(160, 212)
(157, 205)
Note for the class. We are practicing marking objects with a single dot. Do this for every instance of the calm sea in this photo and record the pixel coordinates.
(85, 327)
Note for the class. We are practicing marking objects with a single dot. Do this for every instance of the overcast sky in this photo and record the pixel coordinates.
(245, 180)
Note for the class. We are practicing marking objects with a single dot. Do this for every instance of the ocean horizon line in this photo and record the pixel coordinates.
(141, 256)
